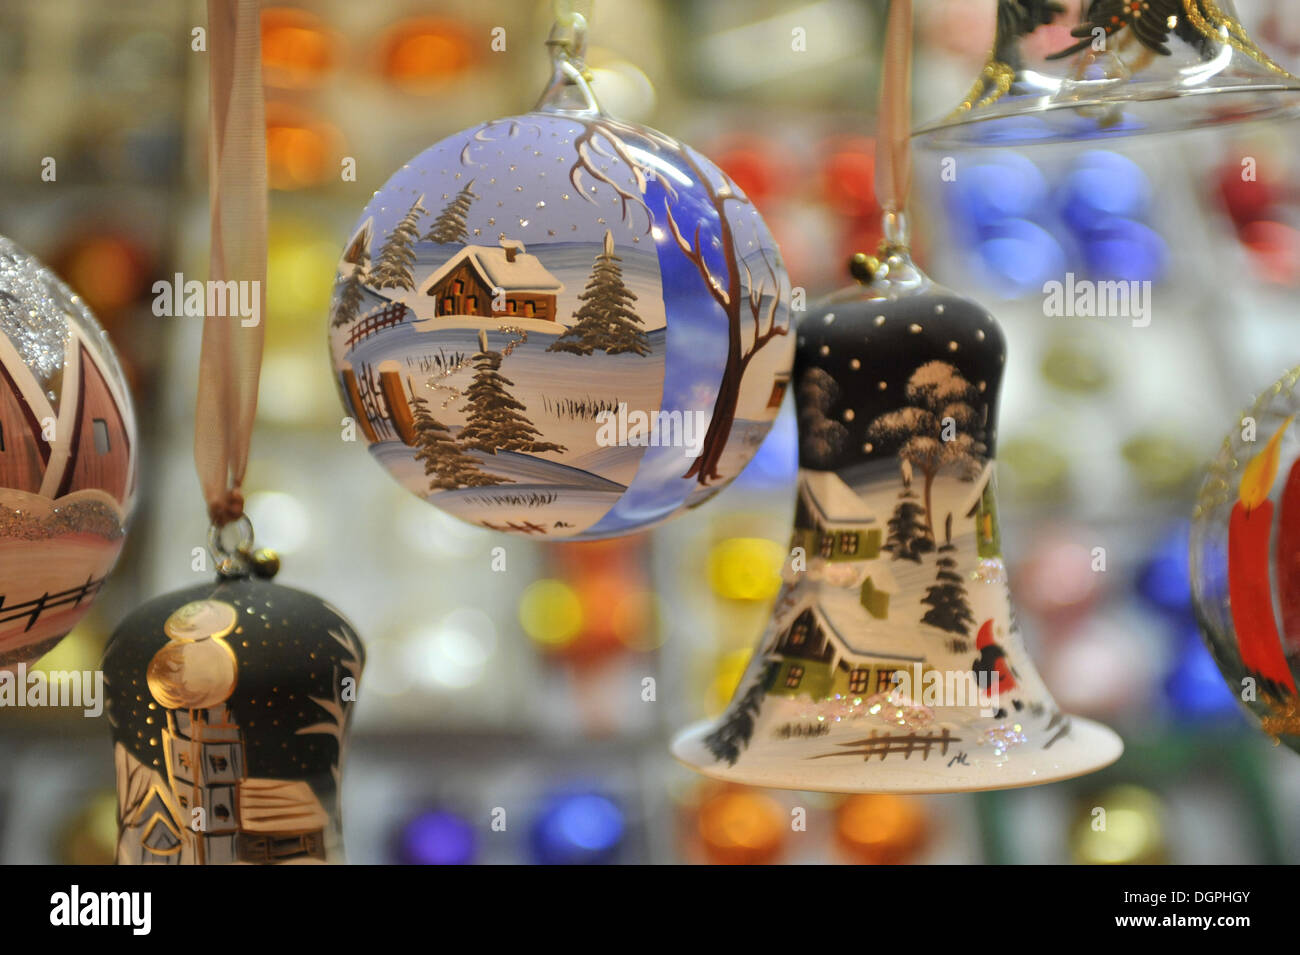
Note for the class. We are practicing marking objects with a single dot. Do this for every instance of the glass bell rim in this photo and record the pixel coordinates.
(955, 130)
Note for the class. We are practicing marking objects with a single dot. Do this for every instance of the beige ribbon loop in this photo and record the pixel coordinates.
(894, 133)
(231, 356)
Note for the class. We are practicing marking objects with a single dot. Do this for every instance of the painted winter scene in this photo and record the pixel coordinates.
(67, 459)
(893, 649)
(562, 327)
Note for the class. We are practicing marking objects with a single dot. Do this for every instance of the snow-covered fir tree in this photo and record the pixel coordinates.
(908, 536)
(450, 226)
(397, 257)
(946, 598)
(496, 421)
(605, 321)
(446, 465)
(351, 296)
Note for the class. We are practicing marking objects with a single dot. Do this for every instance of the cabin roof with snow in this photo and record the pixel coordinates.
(506, 267)
(833, 501)
(972, 502)
(857, 636)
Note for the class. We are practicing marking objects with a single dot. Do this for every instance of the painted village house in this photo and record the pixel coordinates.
(826, 650)
(99, 446)
(981, 507)
(832, 522)
(467, 283)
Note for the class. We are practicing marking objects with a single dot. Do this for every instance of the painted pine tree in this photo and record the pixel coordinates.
(946, 598)
(606, 320)
(736, 728)
(351, 296)
(446, 465)
(450, 226)
(496, 418)
(397, 257)
(908, 537)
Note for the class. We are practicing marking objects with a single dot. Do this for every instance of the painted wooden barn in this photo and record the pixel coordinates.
(101, 444)
(470, 280)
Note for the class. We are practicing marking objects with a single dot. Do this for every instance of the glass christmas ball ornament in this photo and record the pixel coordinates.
(1062, 72)
(893, 662)
(559, 324)
(1245, 559)
(68, 449)
(230, 705)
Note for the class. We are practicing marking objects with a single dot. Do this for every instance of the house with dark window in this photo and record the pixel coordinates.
(100, 442)
(832, 522)
(23, 451)
(502, 281)
(981, 507)
(829, 647)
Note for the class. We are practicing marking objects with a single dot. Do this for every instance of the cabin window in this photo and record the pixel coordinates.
(219, 763)
(447, 308)
(849, 543)
(457, 287)
(100, 427)
(529, 309)
(858, 679)
(799, 635)
(471, 305)
(794, 676)
(827, 545)
(512, 306)
(885, 680)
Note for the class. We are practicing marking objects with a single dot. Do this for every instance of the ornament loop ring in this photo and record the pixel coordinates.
(231, 563)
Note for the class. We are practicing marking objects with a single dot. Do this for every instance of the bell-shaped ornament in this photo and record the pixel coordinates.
(229, 705)
(893, 661)
(1121, 67)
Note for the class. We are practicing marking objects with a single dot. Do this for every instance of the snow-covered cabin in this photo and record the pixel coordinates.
(832, 521)
(467, 283)
(829, 647)
(981, 507)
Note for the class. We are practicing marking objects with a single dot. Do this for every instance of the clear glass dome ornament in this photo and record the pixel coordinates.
(1123, 67)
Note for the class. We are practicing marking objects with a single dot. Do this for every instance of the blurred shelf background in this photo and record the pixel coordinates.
(516, 696)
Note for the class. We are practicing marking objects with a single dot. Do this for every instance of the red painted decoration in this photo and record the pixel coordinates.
(1248, 593)
(1288, 559)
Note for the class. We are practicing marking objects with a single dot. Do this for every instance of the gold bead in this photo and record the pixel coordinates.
(863, 267)
(265, 562)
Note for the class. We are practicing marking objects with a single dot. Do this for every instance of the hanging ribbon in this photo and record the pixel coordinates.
(894, 132)
(231, 357)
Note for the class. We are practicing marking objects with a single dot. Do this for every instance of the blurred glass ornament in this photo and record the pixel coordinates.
(1120, 826)
(437, 837)
(514, 351)
(992, 188)
(298, 50)
(1164, 578)
(90, 835)
(577, 828)
(1099, 665)
(741, 826)
(1274, 249)
(1037, 467)
(301, 150)
(848, 178)
(1163, 463)
(550, 612)
(881, 829)
(1130, 66)
(1126, 251)
(1103, 186)
(1248, 190)
(746, 568)
(754, 164)
(422, 54)
(1076, 362)
(110, 270)
(1058, 579)
(1018, 256)
(1247, 519)
(68, 451)
(1194, 686)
